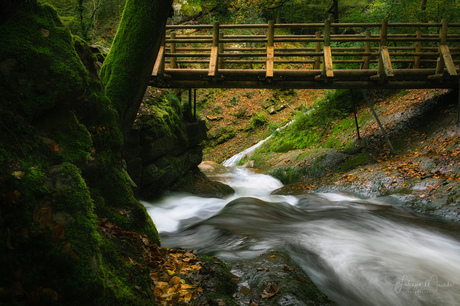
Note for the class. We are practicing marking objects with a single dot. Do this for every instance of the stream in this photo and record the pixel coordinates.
(357, 251)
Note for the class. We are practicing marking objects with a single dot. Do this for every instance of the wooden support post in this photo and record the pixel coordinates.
(173, 50)
(367, 49)
(328, 70)
(354, 112)
(378, 121)
(383, 43)
(221, 64)
(317, 64)
(418, 49)
(213, 66)
(194, 104)
(159, 66)
(270, 49)
(443, 35)
(190, 103)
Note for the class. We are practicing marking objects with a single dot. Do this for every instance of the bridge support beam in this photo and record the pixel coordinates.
(378, 121)
(354, 112)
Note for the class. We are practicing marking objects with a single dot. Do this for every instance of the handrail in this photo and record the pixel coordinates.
(217, 50)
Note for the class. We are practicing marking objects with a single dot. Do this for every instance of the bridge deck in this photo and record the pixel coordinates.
(373, 55)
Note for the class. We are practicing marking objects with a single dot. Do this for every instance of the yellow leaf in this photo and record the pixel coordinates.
(171, 272)
(18, 174)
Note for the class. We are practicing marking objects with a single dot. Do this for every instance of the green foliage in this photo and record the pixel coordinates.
(86, 18)
(407, 11)
(310, 126)
(257, 120)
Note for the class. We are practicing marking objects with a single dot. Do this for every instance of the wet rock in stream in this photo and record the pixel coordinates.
(273, 279)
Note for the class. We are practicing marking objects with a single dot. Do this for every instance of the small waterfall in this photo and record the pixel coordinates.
(233, 161)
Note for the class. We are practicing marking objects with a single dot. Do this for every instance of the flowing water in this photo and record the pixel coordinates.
(357, 251)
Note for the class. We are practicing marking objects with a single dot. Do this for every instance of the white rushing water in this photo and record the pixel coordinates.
(233, 161)
(359, 252)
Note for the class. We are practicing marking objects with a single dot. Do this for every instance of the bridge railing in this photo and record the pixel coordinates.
(377, 51)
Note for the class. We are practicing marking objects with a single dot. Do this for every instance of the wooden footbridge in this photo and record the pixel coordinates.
(363, 55)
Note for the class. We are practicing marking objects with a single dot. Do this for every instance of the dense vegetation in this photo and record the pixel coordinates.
(97, 20)
(66, 197)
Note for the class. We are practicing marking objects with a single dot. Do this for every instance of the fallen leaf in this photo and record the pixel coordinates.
(269, 291)
(175, 280)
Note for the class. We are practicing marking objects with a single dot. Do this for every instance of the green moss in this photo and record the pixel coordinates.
(360, 159)
(115, 201)
(223, 285)
(52, 115)
(128, 66)
(73, 138)
(39, 48)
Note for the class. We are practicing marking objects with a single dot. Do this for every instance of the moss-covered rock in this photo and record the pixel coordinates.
(164, 150)
(297, 165)
(61, 175)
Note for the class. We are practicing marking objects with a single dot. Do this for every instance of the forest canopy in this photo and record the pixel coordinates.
(97, 20)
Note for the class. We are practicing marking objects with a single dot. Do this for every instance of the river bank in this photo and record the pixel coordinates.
(423, 173)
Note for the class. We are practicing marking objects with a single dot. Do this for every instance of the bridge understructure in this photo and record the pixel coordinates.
(363, 55)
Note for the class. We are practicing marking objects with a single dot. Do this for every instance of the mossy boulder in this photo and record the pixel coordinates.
(61, 175)
(164, 150)
(298, 165)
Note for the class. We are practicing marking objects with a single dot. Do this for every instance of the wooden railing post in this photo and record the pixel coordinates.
(270, 49)
(418, 49)
(173, 50)
(367, 49)
(213, 66)
(221, 64)
(327, 65)
(317, 64)
(384, 67)
(445, 58)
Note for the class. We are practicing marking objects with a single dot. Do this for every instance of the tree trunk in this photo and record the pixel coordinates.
(423, 17)
(333, 13)
(127, 69)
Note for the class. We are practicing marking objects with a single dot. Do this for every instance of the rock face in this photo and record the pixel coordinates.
(163, 151)
(157, 159)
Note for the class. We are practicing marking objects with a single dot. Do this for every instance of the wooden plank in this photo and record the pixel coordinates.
(213, 62)
(386, 62)
(448, 62)
(159, 66)
(328, 67)
(270, 61)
